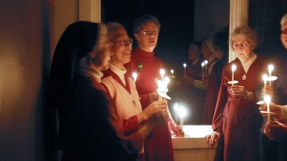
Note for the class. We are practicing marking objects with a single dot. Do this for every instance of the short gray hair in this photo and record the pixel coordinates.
(247, 32)
(283, 19)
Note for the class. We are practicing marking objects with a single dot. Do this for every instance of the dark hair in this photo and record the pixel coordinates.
(220, 40)
(197, 43)
(144, 20)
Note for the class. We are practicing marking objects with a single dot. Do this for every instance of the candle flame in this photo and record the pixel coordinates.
(135, 76)
(202, 64)
(270, 68)
(176, 107)
(267, 99)
(233, 67)
(162, 72)
(171, 71)
(184, 65)
(166, 80)
(265, 77)
(182, 111)
(206, 62)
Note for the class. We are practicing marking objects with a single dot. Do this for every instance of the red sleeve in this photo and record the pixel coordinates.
(130, 125)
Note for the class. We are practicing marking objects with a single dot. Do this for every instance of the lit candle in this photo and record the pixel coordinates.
(265, 78)
(176, 109)
(135, 76)
(162, 72)
(270, 69)
(160, 89)
(267, 99)
(206, 62)
(232, 78)
(172, 71)
(182, 113)
(202, 65)
(184, 72)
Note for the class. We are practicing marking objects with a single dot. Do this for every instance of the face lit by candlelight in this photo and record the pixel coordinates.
(193, 52)
(122, 47)
(243, 48)
(283, 35)
(147, 36)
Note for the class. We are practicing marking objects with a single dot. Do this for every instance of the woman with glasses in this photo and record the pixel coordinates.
(122, 88)
(89, 124)
(236, 117)
(146, 65)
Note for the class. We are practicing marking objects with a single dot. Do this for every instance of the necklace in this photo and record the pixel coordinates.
(246, 66)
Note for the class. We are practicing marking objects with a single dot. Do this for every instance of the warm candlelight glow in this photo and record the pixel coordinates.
(172, 71)
(265, 78)
(184, 72)
(233, 69)
(135, 76)
(270, 69)
(162, 72)
(181, 112)
(267, 100)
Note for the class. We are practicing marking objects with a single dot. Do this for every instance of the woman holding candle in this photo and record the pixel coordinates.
(187, 93)
(121, 87)
(89, 125)
(146, 30)
(236, 117)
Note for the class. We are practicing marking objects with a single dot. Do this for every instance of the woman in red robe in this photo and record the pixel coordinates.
(236, 117)
(147, 66)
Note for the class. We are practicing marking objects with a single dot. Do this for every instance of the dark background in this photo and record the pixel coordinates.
(177, 21)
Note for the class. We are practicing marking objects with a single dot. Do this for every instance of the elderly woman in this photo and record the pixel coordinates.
(89, 124)
(236, 117)
(121, 87)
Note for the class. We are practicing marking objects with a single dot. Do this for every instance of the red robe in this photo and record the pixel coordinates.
(159, 147)
(193, 97)
(239, 118)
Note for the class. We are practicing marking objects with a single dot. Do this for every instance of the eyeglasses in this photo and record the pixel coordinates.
(149, 33)
(126, 42)
(234, 46)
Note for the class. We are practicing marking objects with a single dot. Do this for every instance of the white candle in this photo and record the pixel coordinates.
(182, 113)
(232, 78)
(162, 72)
(135, 76)
(206, 62)
(202, 65)
(265, 78)
(176, 108)
(184, 72)
(270, 69)
(267, 99)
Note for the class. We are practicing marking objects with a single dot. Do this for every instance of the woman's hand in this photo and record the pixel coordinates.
(213, 138)
(275, 130)
(241, 92)
(153, 96)
(176, 129)
(273, 108)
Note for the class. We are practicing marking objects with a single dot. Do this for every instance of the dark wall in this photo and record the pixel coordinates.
(264, 17)
(176, 18)
(25, 51)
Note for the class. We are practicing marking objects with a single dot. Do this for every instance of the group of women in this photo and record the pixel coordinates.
(108, 116)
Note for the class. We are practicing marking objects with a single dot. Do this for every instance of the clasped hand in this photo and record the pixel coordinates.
(157, 113)
(238, 91)
(275, 130)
